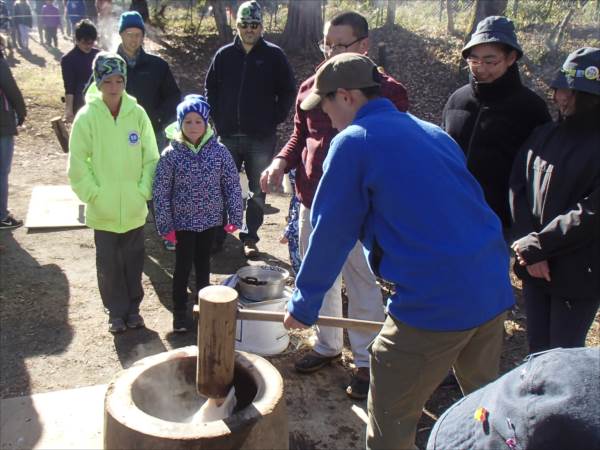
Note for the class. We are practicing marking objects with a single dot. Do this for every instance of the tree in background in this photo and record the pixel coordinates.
(304, 26)
(220, 14)
(390, 17)
(483, 9)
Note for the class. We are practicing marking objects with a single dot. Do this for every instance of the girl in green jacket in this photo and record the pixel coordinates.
(112, 158)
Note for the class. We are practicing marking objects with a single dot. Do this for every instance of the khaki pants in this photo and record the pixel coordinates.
(408, 364)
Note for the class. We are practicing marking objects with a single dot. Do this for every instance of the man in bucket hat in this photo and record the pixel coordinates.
(492, 115)
(389, 180)
(250, 87)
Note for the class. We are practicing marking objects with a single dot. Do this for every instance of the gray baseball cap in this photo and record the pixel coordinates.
(347, 71)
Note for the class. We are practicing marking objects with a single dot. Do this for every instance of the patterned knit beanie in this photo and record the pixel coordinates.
(106, 64)
(192, 103)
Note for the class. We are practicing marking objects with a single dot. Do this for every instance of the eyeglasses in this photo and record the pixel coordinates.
(244, 25)
(488, 63)
(325, 48)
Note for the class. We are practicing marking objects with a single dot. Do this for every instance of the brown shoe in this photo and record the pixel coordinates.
(313, 361)
(358, 388)
(250, 249)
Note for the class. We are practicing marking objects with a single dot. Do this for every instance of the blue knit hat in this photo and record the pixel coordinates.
(131, 19)
(106, 64)
(192, 103)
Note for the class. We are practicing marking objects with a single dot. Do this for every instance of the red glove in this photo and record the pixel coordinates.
(230, 228)
(170, 236)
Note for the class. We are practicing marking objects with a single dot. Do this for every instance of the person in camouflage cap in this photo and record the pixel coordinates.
(250, 87)
(249, 12)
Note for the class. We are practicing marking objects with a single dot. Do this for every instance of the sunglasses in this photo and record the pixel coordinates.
(245, 25)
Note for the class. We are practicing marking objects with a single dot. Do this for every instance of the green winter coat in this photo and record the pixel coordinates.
(112, 163)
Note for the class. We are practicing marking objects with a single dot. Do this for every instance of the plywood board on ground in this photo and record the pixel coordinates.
(54, 207)
(70, 419)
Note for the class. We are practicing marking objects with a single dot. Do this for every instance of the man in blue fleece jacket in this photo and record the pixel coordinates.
(401, 186)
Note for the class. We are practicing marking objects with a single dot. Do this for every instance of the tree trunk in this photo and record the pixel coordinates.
(390, 17)
(304, 26)
(556, 35)
(450, 13)
(220, 15)
(483, 9)
(515, 8)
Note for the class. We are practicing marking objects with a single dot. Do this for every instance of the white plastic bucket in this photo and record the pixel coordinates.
(263, 338)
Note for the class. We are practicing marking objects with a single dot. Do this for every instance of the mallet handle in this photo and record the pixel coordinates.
(324, 321)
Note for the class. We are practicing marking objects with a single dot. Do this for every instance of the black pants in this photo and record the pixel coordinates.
(192, 247)
(119, 265)
(556, 321)
(51, 36)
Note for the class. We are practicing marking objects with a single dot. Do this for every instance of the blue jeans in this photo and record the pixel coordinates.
(256, 155)
(7, 148)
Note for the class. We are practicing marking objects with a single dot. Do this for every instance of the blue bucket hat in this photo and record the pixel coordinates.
(106, 64)
(548, 402)
(580, 71)
(131, 19)
(192, 103)
(494, 30)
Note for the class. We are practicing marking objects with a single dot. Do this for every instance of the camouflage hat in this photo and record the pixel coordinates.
(249, 12)
(107, 64)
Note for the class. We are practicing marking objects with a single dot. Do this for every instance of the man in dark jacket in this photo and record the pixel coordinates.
(12, 114)
(76, 66)
(250, 87)
(491, 117)
(149, 77)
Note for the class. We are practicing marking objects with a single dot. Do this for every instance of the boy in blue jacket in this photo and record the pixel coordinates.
(401, 186)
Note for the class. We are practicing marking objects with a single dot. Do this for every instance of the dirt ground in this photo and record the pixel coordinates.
(53, 332)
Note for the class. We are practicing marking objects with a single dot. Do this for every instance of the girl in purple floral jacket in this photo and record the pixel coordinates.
(196, 180)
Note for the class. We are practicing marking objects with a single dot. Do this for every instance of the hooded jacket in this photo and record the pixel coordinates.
(112, 162)
(249, 93)
(490, 122)
(555, 203)
(194, 185)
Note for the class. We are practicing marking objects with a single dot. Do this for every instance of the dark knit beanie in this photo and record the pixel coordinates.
(131, 19)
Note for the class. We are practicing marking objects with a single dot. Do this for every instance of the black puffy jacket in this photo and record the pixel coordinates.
(555, 203)
(249, 93)
(490, 122)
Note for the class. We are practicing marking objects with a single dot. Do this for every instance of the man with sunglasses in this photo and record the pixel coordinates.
(250, 88)
(494, 113)
(305, 151)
